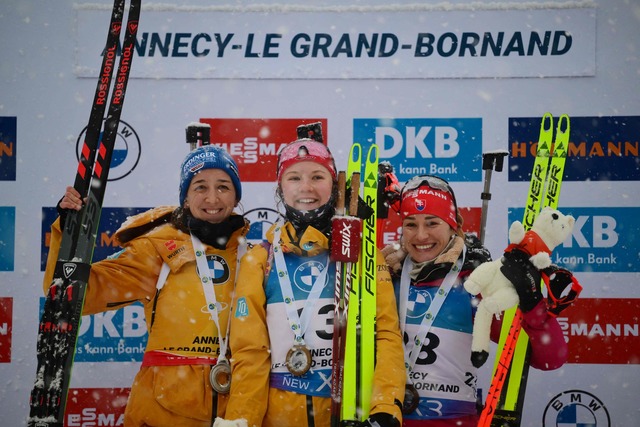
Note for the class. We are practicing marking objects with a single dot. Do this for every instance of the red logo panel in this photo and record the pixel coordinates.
(603, 331)
(96, 406)
(254, 143)
(6, 322)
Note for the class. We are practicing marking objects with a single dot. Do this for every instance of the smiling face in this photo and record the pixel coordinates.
(425, 236)
(306, 186)
(211, 196)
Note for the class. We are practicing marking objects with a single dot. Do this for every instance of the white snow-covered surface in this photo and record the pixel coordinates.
(38, 85)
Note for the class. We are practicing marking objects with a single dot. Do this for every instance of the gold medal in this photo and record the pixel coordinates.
(411, 399)
(220, 376)
(298, 360)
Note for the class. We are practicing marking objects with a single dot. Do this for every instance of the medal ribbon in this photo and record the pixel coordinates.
(297, 324)
(411, 356)
(210, 295)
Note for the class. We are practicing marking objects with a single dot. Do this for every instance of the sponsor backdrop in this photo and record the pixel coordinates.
(433, 86)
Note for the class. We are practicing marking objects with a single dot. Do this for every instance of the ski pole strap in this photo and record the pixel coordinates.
(411, 355)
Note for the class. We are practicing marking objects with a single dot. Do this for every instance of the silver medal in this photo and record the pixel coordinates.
(220, 376)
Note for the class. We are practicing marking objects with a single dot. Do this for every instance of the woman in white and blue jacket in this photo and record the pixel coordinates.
(429, 266)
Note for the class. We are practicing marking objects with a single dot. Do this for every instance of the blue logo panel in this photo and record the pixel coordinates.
(8, 148)
(604, 240)
(600, 148)
(113, 336)
(7, 237)
(450, 148)
(110, 220)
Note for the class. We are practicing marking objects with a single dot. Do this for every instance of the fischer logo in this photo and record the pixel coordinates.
(536, 188)
(370, 246)
(555, 174)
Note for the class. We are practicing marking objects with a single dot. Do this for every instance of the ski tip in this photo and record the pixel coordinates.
(547, 122)
(356, 152)
(564, 124)
(372, 155)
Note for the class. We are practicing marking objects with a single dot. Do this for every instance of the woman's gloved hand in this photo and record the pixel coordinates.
(381, 419)
(524, 276)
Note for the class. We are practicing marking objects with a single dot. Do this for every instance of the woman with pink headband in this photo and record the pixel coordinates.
(282, 326)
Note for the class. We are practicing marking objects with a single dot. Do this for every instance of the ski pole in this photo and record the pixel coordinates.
(198, 134)
(345, 251)
(490, 160)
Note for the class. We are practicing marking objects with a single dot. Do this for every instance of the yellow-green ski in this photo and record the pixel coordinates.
(504, 403)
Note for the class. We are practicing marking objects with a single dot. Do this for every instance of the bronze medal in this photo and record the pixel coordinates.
(411, 399)
(220, 376)
(298, 360)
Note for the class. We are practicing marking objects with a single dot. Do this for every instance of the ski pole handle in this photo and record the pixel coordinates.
(346, 231)
(491, 161)
(342, 184)
(198, 134)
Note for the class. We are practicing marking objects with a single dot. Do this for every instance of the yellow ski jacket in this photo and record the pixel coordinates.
(172, 386)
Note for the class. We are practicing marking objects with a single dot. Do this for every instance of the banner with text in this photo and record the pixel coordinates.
(405, 41)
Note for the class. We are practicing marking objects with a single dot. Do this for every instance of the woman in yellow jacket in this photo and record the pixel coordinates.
(267, 388)
(180, 263)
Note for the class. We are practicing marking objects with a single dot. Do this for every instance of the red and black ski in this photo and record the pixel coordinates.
(60, 320)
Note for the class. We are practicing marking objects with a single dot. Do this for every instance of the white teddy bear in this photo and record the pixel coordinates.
(550, 228)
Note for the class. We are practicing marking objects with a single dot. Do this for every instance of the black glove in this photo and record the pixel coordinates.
(562, 288)
(524, 276)
(381, 420)
(62, 213)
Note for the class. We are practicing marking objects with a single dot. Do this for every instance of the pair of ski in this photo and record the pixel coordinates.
(354, 250)
(60, 320)
(503, 406)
